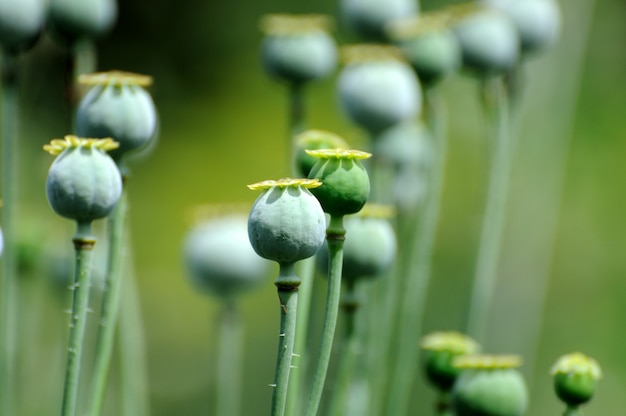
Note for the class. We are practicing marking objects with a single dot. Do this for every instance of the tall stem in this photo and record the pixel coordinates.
(573, 411)
(229, 364)
(110, 305)
(8, 282)
(287, 284)
(83, 245)
(335, 235)
(418, 270)
(494, 215)
(295, 120)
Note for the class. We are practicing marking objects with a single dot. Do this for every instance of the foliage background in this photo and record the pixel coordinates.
(223, 126)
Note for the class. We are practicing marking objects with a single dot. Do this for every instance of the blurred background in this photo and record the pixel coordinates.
(223, 125)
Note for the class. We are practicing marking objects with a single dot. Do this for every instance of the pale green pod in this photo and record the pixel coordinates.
(489, 41)
(489, 386)
(286, 223)
(118, 106)
(84, 183)
(21, 22)
(220, 259)
(368, 18)
(433, 55)
(537, 21)
(72, 20)
(377, 89)
(298, 48)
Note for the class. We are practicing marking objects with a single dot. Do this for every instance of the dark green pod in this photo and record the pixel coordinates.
(440, 350)
(576, 378)
(345, 182)
(368, 18)
(314, 140)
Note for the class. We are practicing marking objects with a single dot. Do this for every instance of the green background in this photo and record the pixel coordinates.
(223, 126)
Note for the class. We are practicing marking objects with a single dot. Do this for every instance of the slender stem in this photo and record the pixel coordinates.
(229, 362)
(299, 371)
(133, 366)
(83, 245)
(350, 349)
(443, 407)
(573, 411)
(110, 305)
(287, 283)
(418, 270)
(335, 235)
(295, 120)
(494, 215)
(8, 282)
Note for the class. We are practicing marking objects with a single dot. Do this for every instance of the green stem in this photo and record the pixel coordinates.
(287, 283)
(8, 282)
(295, 119)
(229, 362)
(335, 235)
(299, 371)
(418, 269)
(83, 245)
(133, 366)
(573, 411)
(350, 348)
(110, 305)
(443, 407)
(494, 215)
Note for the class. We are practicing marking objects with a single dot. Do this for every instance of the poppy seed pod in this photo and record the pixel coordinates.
(489, 40)
(118, 106)
(428, 45)
(83, 182)
(220, 259)
(367, 18)
(376, 88)
(21, 23)
(576, 378)
(538, 21)
(440, 350)
(286, 222)
(345, 182)
(489, 386)
(314, 140)
(371, 248)
(297, 49)
(72, 20)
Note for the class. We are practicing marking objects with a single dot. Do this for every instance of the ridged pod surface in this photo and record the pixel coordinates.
(84, 183)
(286, 223)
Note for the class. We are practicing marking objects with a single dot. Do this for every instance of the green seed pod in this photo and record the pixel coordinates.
(371, 248)
(345, 182)
(117, 105)
(21, 23)
(538, 21)
(367, 18)
(286, 222)
(72, 20)
(314, 140)
(428, 45)
(298, 49)
(220, 259)
(83, 182)
(489, 386)
(441, 348)
(488, 39)
(376, 88)
(576, 378)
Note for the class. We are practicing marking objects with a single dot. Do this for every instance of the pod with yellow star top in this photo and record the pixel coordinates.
(576, 378)
(117, 105)
(314, 140)
(345, 183)
(298, 48)
(286, 222)
(489, 385)
(83, 183)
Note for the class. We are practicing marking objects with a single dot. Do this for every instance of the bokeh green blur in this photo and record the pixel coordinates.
(223, 125)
